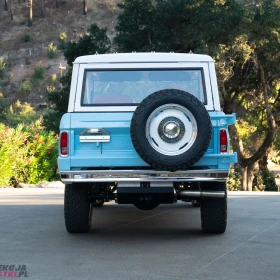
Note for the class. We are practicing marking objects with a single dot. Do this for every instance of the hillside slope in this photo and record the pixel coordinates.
(24, 48)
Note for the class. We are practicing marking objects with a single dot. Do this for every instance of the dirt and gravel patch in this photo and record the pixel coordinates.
(24, 55)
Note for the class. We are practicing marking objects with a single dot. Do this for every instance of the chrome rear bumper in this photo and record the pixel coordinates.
(87, 176)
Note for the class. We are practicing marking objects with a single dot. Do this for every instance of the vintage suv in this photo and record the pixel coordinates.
(145, 129)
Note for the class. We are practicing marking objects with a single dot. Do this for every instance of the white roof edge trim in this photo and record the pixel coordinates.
(143, 57)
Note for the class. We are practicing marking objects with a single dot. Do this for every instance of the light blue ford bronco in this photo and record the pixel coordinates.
(145, 129)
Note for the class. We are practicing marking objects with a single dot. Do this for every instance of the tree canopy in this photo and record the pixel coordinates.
(244, 41)
(176, 25)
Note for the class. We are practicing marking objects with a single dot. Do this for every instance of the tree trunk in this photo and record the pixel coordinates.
(42, 9)
(250, 178)
(243, 172)
(30, 18)
(11, 10)
(247, 174)
(84, 7)
(5, 5)
(263, 163)
(56, 4)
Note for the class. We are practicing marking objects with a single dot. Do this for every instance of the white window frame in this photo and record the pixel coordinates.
(134, 66)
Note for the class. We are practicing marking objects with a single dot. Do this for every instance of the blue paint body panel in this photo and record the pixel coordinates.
(119, 152)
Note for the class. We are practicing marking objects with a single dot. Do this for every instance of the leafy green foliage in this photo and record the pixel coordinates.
(27, 154)
(4, 104)
(25, 87)
(276, 148)
(244, 41)
(39, 72)
(95, 41)
(265, 181)
(27, 38)
(179, 26)
(62, 36)
(62, 39)
(52, 83)
(51, 51)
(234, 181)
(18, 113)
(13, 114)
(249, 81)
(3, 65)
(59, 101)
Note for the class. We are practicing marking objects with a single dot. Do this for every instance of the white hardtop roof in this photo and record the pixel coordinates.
(143, 57)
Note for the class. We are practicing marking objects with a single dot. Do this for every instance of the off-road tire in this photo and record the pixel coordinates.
(161, 161)
(77, 208)
(214, 210)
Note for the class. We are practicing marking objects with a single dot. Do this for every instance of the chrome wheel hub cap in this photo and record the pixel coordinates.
(171, 129)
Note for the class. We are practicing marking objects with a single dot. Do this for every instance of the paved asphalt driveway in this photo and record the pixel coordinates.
(127, 243)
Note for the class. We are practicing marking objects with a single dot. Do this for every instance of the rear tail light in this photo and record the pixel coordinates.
(223, 141)
(64, 143)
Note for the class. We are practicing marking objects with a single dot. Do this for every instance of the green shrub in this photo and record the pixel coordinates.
(265, 181)
(39, 72)
(4, 104)
(25, 87)
(51, 50)
(258, 184)
(27, 38)
(28, 154)
(11, 76)
(52, 83)
(3, 65)
(62, 39)
(50, 88)
(234, 181)
(19, 113)
(62, 36)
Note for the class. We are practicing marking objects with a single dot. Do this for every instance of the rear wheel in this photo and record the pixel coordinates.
(77, 208)
(214, 211)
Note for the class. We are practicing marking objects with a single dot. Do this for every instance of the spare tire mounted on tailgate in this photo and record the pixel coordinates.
(171, 130)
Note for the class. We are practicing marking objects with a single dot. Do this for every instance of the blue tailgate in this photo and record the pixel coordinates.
(119, 151)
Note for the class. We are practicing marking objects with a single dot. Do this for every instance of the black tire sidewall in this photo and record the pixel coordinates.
(77, 208)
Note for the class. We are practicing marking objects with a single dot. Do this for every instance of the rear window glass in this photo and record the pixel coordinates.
(131, 87)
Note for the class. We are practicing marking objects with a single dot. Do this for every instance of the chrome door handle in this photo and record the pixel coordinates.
(95, 135)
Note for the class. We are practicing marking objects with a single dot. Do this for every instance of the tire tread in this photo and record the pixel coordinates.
(214, 212)
(174, 162)
(77, 208)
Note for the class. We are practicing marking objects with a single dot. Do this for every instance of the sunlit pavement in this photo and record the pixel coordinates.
(127, 243)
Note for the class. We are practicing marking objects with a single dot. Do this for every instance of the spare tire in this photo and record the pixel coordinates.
(171, 130)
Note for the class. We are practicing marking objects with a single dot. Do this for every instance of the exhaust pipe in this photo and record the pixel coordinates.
(216, 194)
